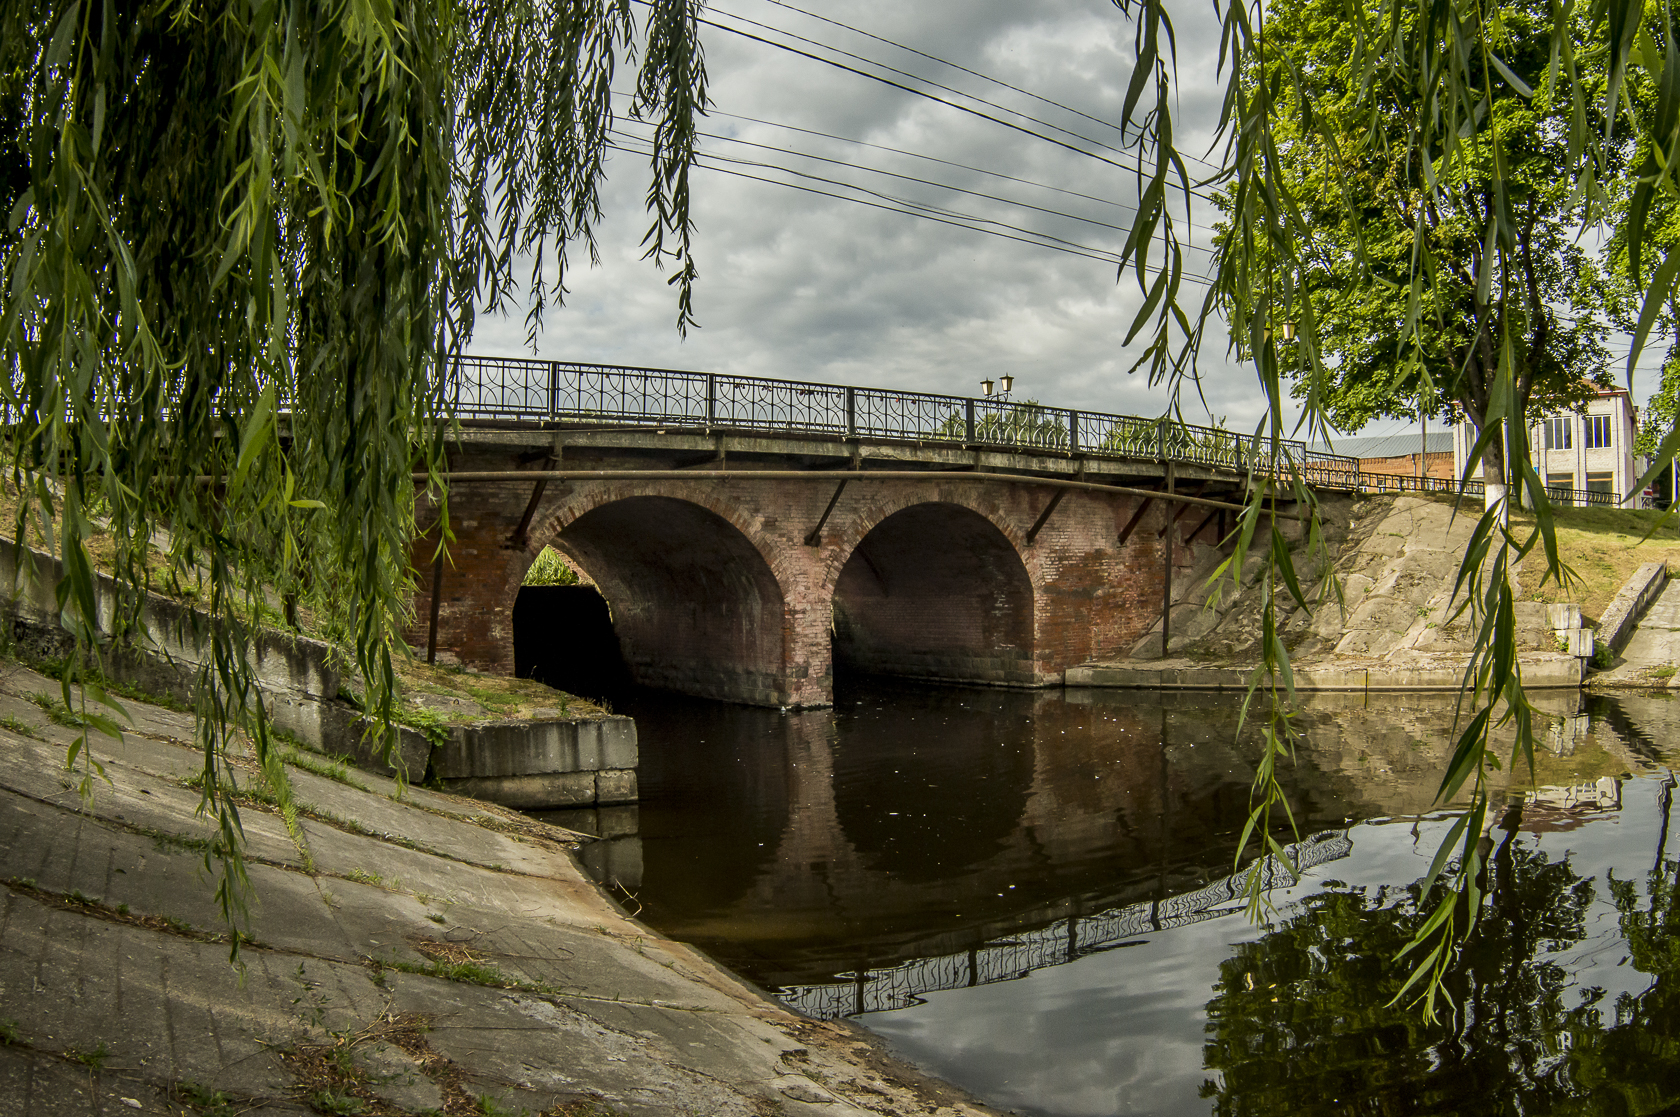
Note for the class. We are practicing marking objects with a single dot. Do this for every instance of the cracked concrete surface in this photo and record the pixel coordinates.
(115, 997)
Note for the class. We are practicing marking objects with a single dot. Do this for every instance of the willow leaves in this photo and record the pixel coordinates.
(1414, 206)
(243, 240)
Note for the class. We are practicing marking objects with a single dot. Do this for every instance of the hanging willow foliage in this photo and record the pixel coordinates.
(243, 239)
(1440, 100)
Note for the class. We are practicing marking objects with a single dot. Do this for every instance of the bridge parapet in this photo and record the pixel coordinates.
(528, 390)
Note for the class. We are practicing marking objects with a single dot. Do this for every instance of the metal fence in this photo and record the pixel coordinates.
(512, 388)
(1005, 959)
(1560, 497)
(523, 389)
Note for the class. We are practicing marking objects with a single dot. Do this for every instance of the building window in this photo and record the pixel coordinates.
(1558, 433)
(1560, 487)
(1597, 432)
(1602, 486)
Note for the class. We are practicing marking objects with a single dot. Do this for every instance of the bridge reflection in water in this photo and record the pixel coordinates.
(914, 839)
(1063, 941)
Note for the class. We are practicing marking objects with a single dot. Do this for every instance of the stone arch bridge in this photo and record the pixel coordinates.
(747, 533)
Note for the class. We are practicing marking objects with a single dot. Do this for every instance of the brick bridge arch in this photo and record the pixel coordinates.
(727, 588)
(695, 603)
(934, 589)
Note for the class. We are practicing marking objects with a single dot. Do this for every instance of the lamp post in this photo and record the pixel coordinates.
(1005, 384)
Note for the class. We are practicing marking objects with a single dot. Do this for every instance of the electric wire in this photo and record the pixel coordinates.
(926, 81)
(976, 73)
(957, 189)
(917, 209)
(618, 129)
(1138, 169)
(920, 155)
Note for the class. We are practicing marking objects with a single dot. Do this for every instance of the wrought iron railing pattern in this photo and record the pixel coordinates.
(523, 389)
(571, 392)
(878, 990)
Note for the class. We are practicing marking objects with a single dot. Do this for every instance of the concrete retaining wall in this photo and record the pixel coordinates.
(1539, 671)
(528, 764)
(1630, 603)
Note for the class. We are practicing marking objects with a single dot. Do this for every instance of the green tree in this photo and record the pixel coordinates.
(244, 240)
(1370, 209)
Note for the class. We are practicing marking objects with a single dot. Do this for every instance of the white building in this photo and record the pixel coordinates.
(1583, 458)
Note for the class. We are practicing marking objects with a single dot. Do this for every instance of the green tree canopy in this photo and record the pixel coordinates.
(1373, 201)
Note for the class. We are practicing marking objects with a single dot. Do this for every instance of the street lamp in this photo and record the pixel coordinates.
(1289, 331)
(986, 387)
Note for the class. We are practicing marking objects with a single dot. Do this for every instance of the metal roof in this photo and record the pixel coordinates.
(1392, 446)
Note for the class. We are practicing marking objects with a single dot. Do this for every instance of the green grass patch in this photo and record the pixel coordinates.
(205, 1101)
(93, 1060)
(550, 569)
(470, 973)
(329, 767)
(1603, 546)
(17, 725)
(336, 1104)
(55, 709)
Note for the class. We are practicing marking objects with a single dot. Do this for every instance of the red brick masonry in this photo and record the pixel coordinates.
(714, 592)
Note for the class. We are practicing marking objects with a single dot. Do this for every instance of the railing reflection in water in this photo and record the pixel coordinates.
(880, 990)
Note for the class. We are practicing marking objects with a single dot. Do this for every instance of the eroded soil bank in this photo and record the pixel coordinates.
(411, 953)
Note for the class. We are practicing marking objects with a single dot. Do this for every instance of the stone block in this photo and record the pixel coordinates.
(616, 785)
(529, 792)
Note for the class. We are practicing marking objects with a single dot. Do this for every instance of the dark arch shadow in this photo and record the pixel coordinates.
(694, 605)
(935, 783)
(935, 591)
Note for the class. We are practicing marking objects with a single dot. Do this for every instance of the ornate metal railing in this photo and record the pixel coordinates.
(569, 392)
(522, 389)
(878, 990)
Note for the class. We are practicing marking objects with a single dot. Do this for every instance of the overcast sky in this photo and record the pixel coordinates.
(798, 285)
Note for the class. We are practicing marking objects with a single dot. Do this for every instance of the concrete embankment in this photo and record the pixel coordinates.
(411, 952)
(1396, 559)
(545, 760)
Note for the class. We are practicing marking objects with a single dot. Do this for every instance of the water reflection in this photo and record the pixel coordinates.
(1036, 882)
(1301, 1020)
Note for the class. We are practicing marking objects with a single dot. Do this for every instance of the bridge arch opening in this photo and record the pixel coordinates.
(694, 606)
(935, 591)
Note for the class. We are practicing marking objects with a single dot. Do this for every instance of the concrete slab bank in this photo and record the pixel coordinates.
(526, 763)
(422, 954)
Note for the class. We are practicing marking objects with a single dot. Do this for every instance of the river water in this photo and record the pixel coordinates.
(1031, 894)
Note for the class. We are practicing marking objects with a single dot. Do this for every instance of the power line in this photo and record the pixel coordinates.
(943, 101)
(966, 70)
(932, 159)
(926, 81)
(1095, 254)
(919, 155)
(908, 178)
(907, 207)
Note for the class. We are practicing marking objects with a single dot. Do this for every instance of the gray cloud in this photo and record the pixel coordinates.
(808, 287)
